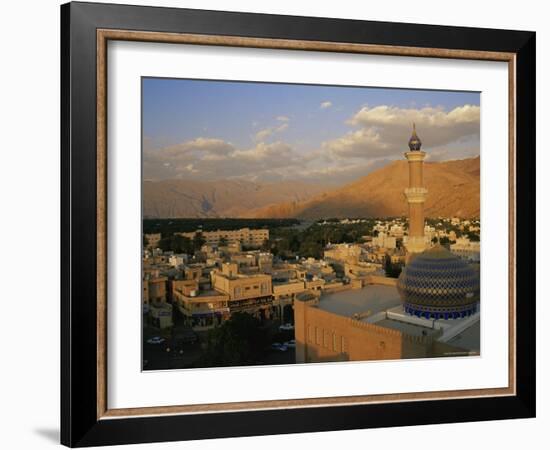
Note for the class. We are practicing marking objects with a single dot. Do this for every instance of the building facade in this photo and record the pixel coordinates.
(246, 293)
(245, 236)
(323, 336)
(202, 309)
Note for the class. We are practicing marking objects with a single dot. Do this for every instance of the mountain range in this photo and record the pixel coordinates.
(225, 198)
(453, 190)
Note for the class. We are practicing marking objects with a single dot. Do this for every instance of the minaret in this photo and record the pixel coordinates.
(416, 195)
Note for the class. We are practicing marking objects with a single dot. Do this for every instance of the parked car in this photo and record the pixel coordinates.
(279, 347)
(291, 343)
(156, 340)
(286, 327)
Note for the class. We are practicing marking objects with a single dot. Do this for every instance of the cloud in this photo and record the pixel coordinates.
(326, 105)
(282, 118)
(263, 151)
(262, 135)
(198, 145)
(384, 130)
(218, 160)
(376, 135)
(365, 142)
(335, 174)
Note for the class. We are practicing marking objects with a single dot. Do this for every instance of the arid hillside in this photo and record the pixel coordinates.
(453, 190)
(195, 199)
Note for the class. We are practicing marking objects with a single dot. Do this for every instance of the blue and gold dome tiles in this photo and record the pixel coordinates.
(439, 285)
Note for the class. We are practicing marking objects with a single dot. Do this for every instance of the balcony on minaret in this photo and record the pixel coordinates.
(416, 194)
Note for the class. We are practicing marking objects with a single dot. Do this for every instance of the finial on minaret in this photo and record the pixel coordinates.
(414, 142)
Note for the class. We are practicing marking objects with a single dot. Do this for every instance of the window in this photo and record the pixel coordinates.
(309, 334)
(344, 345)
(334, 342)
(317, 336)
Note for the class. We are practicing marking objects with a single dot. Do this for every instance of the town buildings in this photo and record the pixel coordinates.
(466, 249)
(344, 305)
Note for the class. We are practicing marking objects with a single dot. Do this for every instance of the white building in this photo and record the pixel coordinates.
(384, 241)
(177, 260)
(397, 231)
(466, 249)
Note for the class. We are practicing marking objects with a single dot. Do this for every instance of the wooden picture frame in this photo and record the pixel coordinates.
(86, 418)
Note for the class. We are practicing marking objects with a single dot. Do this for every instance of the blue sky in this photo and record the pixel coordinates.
(327, 125)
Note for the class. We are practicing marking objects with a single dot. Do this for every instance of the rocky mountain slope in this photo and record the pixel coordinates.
(453, 190)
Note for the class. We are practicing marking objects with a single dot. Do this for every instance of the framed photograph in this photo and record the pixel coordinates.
(277, 224)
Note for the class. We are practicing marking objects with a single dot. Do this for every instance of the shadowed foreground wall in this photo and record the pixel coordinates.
(322, 336)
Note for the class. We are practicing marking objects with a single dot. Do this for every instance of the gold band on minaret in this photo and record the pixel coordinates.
(416, 195)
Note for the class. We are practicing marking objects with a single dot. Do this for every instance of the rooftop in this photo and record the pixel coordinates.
(408, 328)
(280, 282)
(373, 298)
(209, 293)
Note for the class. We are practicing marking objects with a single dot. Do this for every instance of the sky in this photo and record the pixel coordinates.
(271, 132)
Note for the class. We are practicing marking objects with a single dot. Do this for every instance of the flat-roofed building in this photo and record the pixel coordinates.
(161, 314)
(245, 236)
(466, 249)
(384, 241)
(265, 262)
(193, 271)
(177, 260)
(201, 308)
(153, 239)
(248, 293)
(284, 294)
(343, 252)
(397, 231)
(359, 272)
(156, 289)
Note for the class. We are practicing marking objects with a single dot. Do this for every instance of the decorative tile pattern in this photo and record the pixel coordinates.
(437, 284)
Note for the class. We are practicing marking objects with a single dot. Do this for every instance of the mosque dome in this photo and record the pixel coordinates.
(414, 142)
(439, 285)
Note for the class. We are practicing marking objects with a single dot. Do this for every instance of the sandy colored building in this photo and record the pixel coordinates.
(202, 309)
(466, 249)
(245, 236)
(161, 314)
(153, 239)
(248, 293)
(384, 241)
(343, 252)
(155, 289)
(359, 272)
